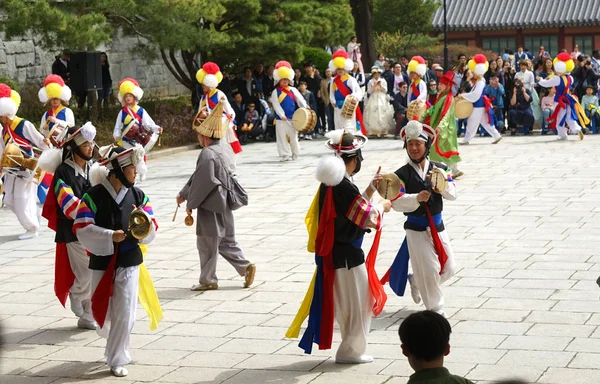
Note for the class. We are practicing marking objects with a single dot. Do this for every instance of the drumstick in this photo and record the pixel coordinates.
(175, 215)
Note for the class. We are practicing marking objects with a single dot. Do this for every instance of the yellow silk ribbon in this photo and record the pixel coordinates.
(294, 329)
(312, 225)
(147, 294)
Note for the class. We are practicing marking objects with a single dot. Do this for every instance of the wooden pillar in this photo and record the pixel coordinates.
(520, 40)
(563, 42)
(478, 42)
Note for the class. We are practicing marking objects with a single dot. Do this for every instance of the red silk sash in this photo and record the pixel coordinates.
(104, 291)
(437, 242)
(324, 248)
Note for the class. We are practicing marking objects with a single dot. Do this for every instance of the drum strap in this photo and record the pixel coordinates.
(133, 114)
(415, 91)
(345, 91)
(285, 92)
(19, 140)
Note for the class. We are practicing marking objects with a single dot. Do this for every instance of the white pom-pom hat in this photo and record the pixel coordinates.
(283, 70)
(478, 65)
(563, 63)
(417, 65)
(415, 130)
(209, 75)
(9, 101)
(129, 85)
(340, 60)
(54, 88)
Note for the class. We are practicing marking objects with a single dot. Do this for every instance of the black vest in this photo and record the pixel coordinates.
(413, 183)
(115, 216)
(79, 184)
(344, 254)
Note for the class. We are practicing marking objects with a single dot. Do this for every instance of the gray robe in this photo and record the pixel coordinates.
(206, 191)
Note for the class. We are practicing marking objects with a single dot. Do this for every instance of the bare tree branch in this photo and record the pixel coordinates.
(184, 76)
(170, 67)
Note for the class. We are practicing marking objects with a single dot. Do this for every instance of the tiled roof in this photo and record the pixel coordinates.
(466, 15)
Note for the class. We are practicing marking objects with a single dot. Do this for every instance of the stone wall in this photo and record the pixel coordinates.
(25, 61)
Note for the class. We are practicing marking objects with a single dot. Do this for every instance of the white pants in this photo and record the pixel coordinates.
(81, 291)
(284, 129)
(21, 198)
(479, 116)
(573, 125)
(426, 267)
(353, 303)
(342, 122)
(120, 316)
(209, 249)
(454, 167)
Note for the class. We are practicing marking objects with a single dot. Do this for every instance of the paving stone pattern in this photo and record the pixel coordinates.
(523, 303)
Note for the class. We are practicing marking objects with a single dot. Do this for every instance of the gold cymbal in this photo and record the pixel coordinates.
(389, 186)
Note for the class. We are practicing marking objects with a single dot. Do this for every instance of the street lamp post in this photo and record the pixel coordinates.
(445, 38)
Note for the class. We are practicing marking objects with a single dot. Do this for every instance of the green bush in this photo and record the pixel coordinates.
(8, 81)
(393, 45)
(318, 56)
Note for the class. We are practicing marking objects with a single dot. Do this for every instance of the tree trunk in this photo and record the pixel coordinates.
(362, 11)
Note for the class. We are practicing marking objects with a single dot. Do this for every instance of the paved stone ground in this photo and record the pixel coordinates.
(524, 301)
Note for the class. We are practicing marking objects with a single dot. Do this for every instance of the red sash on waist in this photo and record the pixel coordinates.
(104, 291)
(489, 109)
(289, 92)
(324, 248)
(437, 243)
(345, 92)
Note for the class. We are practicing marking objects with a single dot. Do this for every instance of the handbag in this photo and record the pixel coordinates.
(237, 197)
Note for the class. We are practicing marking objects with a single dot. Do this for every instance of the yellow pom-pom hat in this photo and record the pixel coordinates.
(209, 75)
(283, 70)
(563, 63)
(478, 65)
(9, 101)
(340, 60)
(129, 85)
(54, 88)
(417, 65)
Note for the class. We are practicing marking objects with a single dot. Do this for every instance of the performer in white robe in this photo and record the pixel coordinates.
(210, 76)
(568, 112)
(19, 188)
(342, 86)
(207, 191)
(432, 261)
(341, 279)
(482, 106)
(55, 92)
(102, 228)
(69, 164)
(379, 113)
(285, 100)
(417, 89)
(133, 119)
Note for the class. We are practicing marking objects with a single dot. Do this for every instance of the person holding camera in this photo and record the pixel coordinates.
(520, 113)
(585, 76)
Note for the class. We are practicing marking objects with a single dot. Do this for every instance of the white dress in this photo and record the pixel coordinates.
(379, 113)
